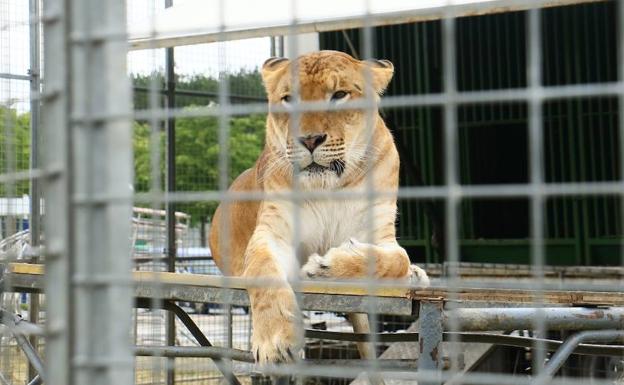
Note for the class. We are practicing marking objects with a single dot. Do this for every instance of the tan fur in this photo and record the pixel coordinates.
(336, 237)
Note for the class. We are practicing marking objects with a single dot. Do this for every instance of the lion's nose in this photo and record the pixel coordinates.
(312, 141)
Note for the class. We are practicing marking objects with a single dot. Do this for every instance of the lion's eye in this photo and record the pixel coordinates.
(286, 98)
(339, 95)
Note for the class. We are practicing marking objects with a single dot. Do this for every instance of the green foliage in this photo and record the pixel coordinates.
(197, 138)
(14, 132)
(197, 141)
(197, 155)
(247, 85)
(141, 141)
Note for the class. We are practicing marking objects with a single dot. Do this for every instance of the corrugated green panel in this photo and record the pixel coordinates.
(580, 135)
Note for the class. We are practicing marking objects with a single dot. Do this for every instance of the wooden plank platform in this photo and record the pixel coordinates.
(340, 296)
(217, 289)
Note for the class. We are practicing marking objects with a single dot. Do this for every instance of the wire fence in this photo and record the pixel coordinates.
(506, 118)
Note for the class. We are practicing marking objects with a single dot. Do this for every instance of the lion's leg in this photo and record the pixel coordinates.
(277, 333)
(351, 260)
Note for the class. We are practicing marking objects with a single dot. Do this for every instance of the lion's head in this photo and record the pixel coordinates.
(327, 147)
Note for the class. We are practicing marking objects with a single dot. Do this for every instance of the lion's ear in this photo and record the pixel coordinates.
(382, 71)
(271, 69)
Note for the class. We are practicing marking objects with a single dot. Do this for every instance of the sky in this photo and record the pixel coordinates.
(197, 59)
(206, 59)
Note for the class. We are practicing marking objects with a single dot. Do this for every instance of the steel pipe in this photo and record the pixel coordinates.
(573, 318)
(559, 358)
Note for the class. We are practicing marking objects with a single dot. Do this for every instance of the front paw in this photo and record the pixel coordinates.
(418, 277)
(316, 267)
(276, 334)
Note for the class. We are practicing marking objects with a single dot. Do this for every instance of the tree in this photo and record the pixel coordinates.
(197, 138)
(244, 84)
(197, 141)
(197, 156)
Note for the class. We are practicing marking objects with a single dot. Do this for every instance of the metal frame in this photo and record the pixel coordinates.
(35, 193)
(436, 323)
(172, 246)
(21, 330)
(87, 245)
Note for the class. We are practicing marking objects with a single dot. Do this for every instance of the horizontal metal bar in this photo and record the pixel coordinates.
(27, 175)
(481, 378)
(530, 342)
(4, 75)
(239, 297)
(190, 36)
(357, 304)
(214, 352)
(497, 339)
(204, 94)
(399, 101)
(418, 193)
(203, 288)
(477, 269)
(554, 318)
(246, 356)
(160, 258)
(466, 269)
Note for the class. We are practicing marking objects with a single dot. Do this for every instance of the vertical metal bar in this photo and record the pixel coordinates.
(155, 103)
(534, 75)
(57, 221)
(34, 119)
(35, 88)
(429, 342)
(101, 151)
(620, 74)
(368, 52)
(224, 180)
(294, 130)
(453, 192)
(172, 247)
(280, 46)
(273, 46)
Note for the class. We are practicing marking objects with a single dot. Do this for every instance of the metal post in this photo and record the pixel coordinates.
(55, 186)
(280, 46)
(100, 147)
(429, 340)
(273, 51)
(34, 120)
(35, 196)
(536, 174)
(171, 186)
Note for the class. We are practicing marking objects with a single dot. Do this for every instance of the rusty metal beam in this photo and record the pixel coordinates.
(430, 338)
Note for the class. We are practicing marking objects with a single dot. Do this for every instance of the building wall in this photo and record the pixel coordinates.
(580, 135)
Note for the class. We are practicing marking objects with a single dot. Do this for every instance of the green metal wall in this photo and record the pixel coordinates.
(580, 135)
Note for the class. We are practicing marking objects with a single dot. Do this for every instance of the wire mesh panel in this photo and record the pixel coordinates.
(467, 121)
(19, 208)
(312, 192)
